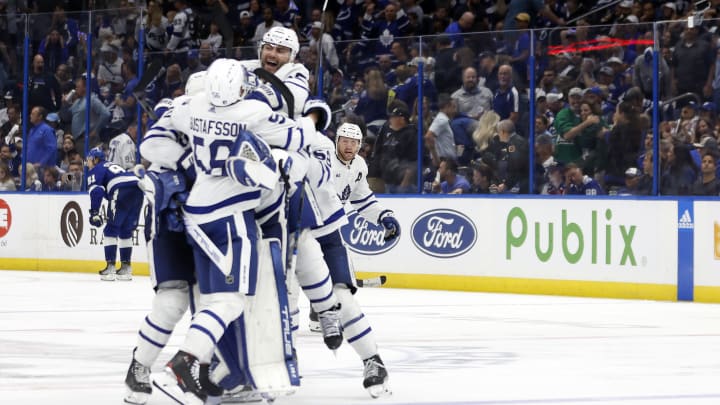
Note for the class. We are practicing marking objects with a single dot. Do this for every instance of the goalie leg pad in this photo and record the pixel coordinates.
(313, 274)
(356, 328)
(210, 322)
(170, 258)
(169, 305)
(338, 262)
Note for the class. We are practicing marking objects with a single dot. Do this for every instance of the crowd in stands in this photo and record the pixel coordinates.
(470, 60)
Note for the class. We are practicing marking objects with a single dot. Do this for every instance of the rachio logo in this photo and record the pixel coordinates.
(5, 218)
(365, 237)
(444, 233)
(71, 224)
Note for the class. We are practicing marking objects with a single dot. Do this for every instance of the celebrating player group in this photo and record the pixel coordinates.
(247, 196)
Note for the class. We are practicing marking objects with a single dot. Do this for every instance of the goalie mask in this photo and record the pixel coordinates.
(348, 139)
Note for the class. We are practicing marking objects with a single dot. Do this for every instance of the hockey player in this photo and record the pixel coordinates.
(125, 200)
(221, 205)
(166, 184)
(350, 185)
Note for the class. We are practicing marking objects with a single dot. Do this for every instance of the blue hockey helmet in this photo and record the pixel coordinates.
(96, 153)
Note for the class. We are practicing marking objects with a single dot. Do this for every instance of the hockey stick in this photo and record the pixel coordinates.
(372, 282)
(150, 74)
(281, 87)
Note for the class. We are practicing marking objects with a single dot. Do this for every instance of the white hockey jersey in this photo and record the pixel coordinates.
(352, 188)
(165, 147)
(123, 151)
(212, 132)
(322, 187)
(295, 76)
(181, 37)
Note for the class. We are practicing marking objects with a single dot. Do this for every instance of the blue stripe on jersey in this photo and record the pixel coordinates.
(316, 285)
(271, 208)
(297, 85)
(233, 200)
(366, 206)
(362, 199)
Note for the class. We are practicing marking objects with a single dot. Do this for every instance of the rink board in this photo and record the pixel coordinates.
(595, 248)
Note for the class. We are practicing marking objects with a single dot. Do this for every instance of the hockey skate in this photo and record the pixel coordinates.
(242, 395)
(314, 322)
(186, 369)
(331, 327)
(108, 273)
(125, 272)
(375, 377)
(213, 391)
(138, 383)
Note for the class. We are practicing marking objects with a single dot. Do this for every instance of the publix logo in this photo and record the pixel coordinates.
(603, 241)
(365, 237)
(443, 233)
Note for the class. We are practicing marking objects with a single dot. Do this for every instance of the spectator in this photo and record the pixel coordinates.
(707, 184)
(633, 182)
(268, 22)
(678, 170)
(325, 42)
(448, 180)
(123, 148)
(218, 12)
(66, 152)
(472, 98)
(382, 32)
(194, 65)
(214, 38)
(576, 183)
(457, 29)
(286, 13)
(206, 55)
(7, 183)
(10, 158)
(51, 179)
(507, 153)
(63, 76)
(482, 179)
(156, 29)
(488, 73)
(75, 109)
(53, 120)
(568, 125)
(544, 149)
(72, 179)
(372, 104)
(41, 141)
(521, 49)
(246, 30)
(439, 139)
(506, 101)
(183, 27)
(316, 16)
(32, 183)
(555, 184)
(624, 143)
(43, 89)
(110, 70)
(394, 159)
(693, 65)
(12, 127)
(643, 75)
(53, 50)
(447, 71)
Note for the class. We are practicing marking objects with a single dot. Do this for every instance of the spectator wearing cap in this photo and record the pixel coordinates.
(708, 113)
(506, 100)
(53, 120)
(668, 11)
(41, 141)
(633, 183)
(643, 74)
(43, 89)
(407, 88)
(569, 125)
(439, 139)
(110, 69)
(450, 181)
(379, 30)
(193, 65)
(472, 98)
(707, 183)
(245, 29)
(324, 42)
(458, 29)
(693, 65)
(393, 162)
(532, 8)
(555, 104)
(507, 153)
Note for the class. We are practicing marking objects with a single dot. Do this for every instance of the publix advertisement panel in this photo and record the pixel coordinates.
(572, 239)
(707, 243)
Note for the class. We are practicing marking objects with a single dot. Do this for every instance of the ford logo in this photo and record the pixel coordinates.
(443, 233)
(365, 237)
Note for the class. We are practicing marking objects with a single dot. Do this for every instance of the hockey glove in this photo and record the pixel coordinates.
(391, 225)
(322, 109)
(139, 171)
(174, 216)
(95, 219)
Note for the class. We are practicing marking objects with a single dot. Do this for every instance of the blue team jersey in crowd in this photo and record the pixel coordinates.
(104, 179)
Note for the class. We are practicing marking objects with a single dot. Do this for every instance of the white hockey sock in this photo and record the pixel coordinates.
(210, 322)
(169, 305)
(313, 274)
(356, 328)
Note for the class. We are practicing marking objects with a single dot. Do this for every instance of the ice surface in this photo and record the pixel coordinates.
(67, 339)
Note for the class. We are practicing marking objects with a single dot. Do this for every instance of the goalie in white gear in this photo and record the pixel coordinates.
(221, 205)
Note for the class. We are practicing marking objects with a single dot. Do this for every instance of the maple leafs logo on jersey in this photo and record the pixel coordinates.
(345, 194)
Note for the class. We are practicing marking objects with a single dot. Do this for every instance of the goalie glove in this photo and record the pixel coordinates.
(251, 163)
(391, 225)
(95, 219)
(322, 110)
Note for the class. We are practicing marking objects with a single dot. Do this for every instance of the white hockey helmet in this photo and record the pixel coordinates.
(227, 82)
(281, 36)
(351, 131)
(195, 83)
